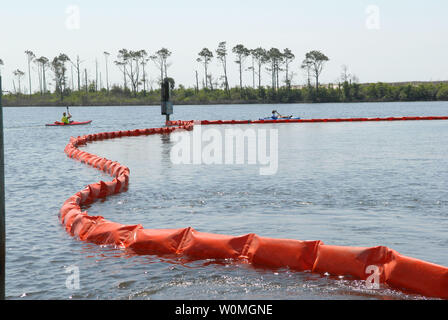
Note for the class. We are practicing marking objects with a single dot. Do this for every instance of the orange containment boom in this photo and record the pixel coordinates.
(375, 265)
(211, 122)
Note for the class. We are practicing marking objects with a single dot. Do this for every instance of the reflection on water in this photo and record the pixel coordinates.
(166, 148)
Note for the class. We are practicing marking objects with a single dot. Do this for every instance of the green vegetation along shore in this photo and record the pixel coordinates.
(215, 89)
(344, 92)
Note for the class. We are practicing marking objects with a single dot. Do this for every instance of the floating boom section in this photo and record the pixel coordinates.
(374, 265)
(215, 122)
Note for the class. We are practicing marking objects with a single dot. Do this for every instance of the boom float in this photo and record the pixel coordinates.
(215, 122)
(389, 267)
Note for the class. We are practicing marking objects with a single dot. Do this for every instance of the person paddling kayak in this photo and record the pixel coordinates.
(66, 118)
(276, 115)
(66, 121)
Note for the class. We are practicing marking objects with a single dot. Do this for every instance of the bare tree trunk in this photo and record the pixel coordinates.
(39, 77)
(124, 75)
(197, 82)
(210, 81)
(107, 76)
(206, 75)
(29, 73)
(43, 79)
(309, 78)
(144, 80)
(79, 72)
(85, 76)
(161, 74)
(277, 79)
(241, 74)
(253, 73)
(225, 76)
(96, 78)
(73, 84)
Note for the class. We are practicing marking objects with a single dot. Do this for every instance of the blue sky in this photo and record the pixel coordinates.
(410, 44)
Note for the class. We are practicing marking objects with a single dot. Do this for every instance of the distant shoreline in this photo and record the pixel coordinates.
(211, 104)
(341, 93)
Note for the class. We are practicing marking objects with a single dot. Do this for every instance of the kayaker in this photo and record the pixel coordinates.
(66, 118)
(276, 115)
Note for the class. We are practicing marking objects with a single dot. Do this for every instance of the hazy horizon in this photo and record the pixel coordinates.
(378, 40)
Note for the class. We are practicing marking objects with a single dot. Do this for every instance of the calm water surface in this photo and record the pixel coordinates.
(356, 184)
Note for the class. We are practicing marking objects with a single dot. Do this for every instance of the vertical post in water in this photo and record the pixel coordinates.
(167, 105)
(2, 204)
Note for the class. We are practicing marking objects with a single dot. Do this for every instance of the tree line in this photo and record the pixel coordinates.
(132, 64)
(137, 89)
(274, 61)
